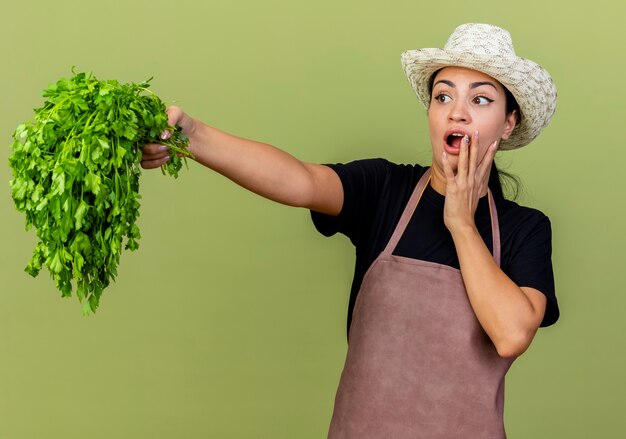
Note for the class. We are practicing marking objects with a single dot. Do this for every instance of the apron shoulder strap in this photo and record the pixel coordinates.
(495, 228)
(407, 214)
(412, 204)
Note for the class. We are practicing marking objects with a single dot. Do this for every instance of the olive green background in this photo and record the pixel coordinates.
(229, 321)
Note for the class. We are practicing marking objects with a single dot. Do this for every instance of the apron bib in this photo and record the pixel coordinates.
(419, 365)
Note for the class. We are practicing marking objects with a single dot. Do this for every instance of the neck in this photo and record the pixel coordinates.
(437, 179)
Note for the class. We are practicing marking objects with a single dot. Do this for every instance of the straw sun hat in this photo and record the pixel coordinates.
(489, 49)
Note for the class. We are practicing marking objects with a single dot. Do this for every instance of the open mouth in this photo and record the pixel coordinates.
(454, 140)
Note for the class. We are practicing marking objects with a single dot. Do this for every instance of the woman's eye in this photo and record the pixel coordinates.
(482, 100)
(441, 98)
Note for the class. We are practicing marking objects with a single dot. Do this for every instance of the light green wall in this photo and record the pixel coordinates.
(229, 320)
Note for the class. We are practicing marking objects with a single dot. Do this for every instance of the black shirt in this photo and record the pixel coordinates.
(376, 192)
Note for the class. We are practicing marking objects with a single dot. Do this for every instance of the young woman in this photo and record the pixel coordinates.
(452, 280)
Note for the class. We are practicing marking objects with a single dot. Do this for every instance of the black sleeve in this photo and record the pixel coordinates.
(363, 182)
(531, 264)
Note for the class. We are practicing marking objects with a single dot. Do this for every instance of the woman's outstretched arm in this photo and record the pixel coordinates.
(256, 166)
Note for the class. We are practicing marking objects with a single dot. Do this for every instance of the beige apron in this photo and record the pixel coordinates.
(419, 365)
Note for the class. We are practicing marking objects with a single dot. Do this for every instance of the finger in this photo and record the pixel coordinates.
(447, 169)
(155, 149)
(176, 116)
(151, 164)
(485, 165)
(484, 156)
(461, 170)
(473, 154)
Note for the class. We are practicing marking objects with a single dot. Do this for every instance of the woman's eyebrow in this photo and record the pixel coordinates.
(478, 84)
(472, 85)
(445, 81)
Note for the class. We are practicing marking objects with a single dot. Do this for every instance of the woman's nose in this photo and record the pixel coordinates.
(459, 112)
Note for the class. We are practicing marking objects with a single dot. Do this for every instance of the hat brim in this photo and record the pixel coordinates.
(528, 82)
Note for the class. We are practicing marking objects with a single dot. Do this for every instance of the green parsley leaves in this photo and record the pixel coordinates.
(76, 177)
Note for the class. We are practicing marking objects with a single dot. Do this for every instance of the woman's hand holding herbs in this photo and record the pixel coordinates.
(155, 155)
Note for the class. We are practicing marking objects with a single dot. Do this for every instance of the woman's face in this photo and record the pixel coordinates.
(462, 102)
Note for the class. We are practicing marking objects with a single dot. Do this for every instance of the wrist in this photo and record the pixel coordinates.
(198, 135)
(462, 229)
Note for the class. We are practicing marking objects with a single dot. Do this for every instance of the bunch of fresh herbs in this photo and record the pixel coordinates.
(76, 177)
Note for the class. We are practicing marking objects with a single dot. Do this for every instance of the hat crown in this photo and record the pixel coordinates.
(489, 49)
(483, 39)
